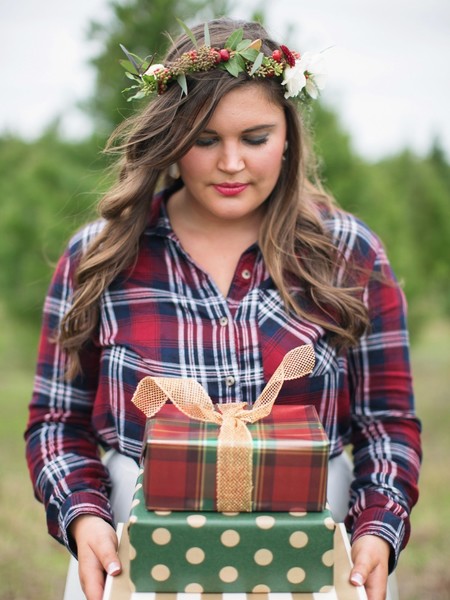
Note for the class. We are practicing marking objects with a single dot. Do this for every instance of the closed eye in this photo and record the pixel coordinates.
(256, 141)
(204, 142)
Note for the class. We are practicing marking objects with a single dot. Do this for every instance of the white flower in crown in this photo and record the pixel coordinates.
(308, 73)
(153, 69)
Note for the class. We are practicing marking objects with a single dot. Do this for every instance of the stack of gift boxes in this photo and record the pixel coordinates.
(210, 517)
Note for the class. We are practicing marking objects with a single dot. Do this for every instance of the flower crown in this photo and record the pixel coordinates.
(303, 75)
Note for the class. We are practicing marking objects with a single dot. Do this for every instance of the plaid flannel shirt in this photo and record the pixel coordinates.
(166, 317)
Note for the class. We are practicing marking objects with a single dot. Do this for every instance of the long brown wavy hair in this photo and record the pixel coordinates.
(294, 243)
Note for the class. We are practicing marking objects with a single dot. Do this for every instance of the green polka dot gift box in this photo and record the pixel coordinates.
(214, 552)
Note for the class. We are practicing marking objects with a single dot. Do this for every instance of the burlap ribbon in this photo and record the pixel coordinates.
(234, 447)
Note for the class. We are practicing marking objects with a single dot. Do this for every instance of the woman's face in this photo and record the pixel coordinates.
(236, 161)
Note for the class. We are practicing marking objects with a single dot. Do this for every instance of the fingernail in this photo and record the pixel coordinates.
(113, 568)
(356, 579)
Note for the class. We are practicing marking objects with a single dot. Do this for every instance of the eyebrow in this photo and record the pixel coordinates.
(249, 130)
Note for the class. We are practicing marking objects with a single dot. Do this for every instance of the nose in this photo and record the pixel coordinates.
(231, 159)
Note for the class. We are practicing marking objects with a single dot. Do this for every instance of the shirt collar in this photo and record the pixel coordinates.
(158, 221)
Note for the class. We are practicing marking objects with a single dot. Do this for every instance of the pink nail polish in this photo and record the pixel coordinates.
(113, 568)
(357, 579)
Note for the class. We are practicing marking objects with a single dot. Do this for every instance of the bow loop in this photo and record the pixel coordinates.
(234, 448)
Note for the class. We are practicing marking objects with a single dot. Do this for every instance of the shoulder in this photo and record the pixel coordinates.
(75, 248)
(81, 240)
(352, 236)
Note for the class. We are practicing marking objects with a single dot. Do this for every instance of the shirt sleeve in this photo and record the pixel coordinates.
(385, 429)
(61, 445)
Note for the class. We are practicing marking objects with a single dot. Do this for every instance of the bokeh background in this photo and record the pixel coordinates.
(382, 135)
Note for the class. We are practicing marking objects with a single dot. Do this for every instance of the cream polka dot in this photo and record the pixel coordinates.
(195, 556)
(228, 574)
(230, 514)
(163, 513)
(196, 520)
(161, 536)
(298, 514)
(135, 502)
(138, 487)
(296, 575)
(329, 523)
(133, 519)
(193, 588)
(326, 589)
(141, 471)
(132, 552)
(230, 538)
(263, 557)
(261, 588)
(328, 558)
(298, 539)
(160, 572)
(265, 522)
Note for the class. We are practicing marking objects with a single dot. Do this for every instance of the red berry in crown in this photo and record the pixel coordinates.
(216, 55)
(224, 54)
(277, 55)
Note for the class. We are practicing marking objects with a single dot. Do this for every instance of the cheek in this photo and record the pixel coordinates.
(192, 164)
(269, 164)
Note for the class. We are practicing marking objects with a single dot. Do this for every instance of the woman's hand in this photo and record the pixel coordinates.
(370, 555)
(97, 552)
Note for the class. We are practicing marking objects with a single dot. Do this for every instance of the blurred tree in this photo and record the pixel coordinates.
(421, 190)
(140, 26)
(48, 188)
(341, 170)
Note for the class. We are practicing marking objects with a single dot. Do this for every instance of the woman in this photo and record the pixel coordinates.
(238, 259)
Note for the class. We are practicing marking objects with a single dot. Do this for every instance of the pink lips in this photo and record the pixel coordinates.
(230, 189)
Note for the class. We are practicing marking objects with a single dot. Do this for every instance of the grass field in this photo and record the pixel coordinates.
(33, 566)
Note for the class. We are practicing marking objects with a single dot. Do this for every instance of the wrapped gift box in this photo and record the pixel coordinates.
(290, 459)
(229, 552)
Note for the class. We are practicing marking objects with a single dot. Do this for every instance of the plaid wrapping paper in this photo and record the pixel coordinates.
(229, 552)
(290, 461)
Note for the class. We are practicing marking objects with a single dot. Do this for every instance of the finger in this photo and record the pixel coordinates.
(97, 555)
(106, 552)
(359, 573)
(376, 585)
(92, 576)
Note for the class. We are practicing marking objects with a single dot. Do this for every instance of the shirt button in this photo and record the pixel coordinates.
(230, 380)
(223, 321)
(246, 274)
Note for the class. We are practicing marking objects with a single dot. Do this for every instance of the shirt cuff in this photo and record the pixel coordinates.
(77, 504)
(382, 523)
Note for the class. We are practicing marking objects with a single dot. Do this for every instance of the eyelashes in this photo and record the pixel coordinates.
(204, 142)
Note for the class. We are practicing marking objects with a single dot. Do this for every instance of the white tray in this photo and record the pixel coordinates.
(119, 587)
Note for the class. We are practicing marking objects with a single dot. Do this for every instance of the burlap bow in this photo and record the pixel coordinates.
(234, 446)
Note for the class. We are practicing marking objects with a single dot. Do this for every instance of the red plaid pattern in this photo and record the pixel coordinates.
(165, 317)
(290, 457)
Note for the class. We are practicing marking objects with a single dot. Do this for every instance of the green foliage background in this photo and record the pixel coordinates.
(50, 186)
